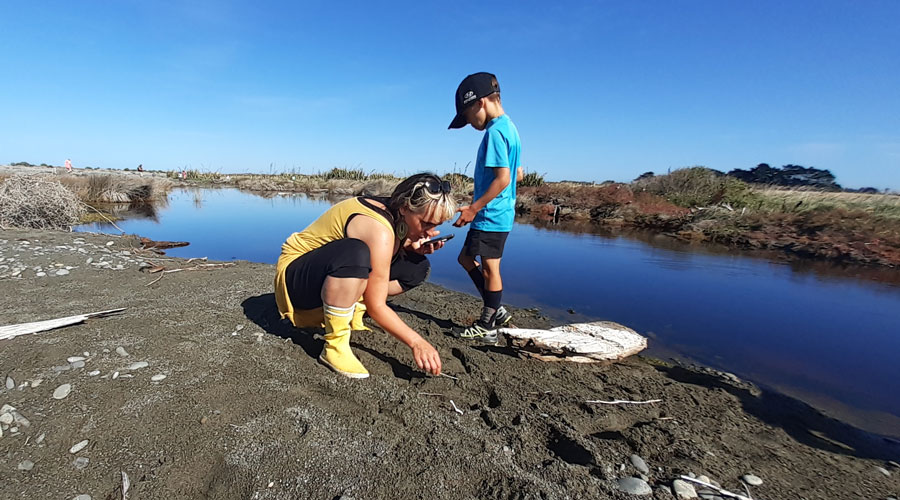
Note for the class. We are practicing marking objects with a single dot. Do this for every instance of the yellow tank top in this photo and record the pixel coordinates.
(330, 226)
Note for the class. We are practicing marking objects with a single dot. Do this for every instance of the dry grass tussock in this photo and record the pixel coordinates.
(316, 184)
(793, 200)
(39, 203)
(118, 188)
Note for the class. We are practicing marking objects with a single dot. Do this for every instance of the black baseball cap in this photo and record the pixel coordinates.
(473, 87)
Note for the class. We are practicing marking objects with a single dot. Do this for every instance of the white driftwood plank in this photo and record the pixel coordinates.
(579, 342)
(10, 331)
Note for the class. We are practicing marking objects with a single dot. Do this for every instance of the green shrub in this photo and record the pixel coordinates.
(344, 173)
(698, 187)
(532, 179)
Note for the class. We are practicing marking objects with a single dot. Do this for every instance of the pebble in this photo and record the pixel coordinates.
(138, 365)
(78, 447)
(62, 368)
(634, 486)
(94, 373)
(81, 462)
(82, 496)
(41, 274)
(109, 243)
(62, 391)
(62, 272)
(122, 352)
(639, 464)
(884, 471)
(78, 364)
(40, 439)
(157, 378)
(115, 375)
(26, 465)
(36, 382)
(72, 359)
(683, 489)
(10, 383)
(6, 418)
(752, 480)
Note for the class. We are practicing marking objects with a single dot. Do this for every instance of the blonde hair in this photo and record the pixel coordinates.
(415, 194)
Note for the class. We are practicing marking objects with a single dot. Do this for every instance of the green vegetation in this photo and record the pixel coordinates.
(698, 187)
(531, 179)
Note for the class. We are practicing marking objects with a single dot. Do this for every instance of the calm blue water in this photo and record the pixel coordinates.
(830, 338)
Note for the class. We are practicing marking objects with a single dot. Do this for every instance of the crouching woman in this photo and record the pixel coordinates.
(353, 257)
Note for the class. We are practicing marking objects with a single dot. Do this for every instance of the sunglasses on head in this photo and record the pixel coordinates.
(436, 186)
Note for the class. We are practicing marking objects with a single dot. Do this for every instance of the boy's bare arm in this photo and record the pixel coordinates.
(520, 172)
(467, 213)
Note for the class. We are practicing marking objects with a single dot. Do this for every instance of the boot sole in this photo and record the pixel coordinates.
(339, 372)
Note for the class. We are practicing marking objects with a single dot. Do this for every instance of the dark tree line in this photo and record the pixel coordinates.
(788, 175)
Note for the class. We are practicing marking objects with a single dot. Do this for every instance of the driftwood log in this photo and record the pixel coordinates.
(148, 244)
(580, 342)
(8, 332)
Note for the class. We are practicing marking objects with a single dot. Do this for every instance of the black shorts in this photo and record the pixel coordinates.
(487, 244)
(345, 258)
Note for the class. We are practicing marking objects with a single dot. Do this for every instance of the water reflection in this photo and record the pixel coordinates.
(823, 332)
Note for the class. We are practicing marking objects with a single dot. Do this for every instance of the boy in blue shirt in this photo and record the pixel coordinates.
(493, 206)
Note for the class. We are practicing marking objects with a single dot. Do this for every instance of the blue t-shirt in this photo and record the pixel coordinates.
(499, 148)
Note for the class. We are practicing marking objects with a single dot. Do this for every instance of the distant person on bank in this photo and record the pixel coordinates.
(355, 255)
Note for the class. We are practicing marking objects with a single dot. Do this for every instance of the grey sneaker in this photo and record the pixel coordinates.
(479, 332)
(502, 317)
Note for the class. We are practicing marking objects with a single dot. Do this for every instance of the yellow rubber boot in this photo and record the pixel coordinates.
(357, 323)
(337, 354)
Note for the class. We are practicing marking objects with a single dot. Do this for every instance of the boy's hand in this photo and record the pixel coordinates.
(466, 215)
(427, 358)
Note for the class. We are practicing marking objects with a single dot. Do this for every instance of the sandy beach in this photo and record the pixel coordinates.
(244, 409)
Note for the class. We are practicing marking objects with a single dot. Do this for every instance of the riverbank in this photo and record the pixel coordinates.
(245, 411)
(695, 204)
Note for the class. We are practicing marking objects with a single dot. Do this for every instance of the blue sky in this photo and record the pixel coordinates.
(599, 90)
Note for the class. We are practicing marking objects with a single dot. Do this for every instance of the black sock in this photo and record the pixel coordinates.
(492, 299)
(478, 279)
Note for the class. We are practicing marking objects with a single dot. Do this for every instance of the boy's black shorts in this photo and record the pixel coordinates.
(487, 244)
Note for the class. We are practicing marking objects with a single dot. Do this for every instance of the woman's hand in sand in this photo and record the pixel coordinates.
(427, 358)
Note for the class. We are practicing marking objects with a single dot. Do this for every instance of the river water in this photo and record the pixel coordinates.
(824, 334)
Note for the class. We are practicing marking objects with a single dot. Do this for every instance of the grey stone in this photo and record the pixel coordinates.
(157, 378)
(683, 489)
(639, 464)
(138, 365)
(62, 391)
(78, 447)
(884, 471)
(6, 418)
(10, 383)
(62, 272)
(83, 496)
(72, 359)
(26, 465)
(122, 352)
(752, 480)
(78, 364)
(634, 486)
(81, 462)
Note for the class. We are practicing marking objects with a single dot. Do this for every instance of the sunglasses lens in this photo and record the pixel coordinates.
(445, 186)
